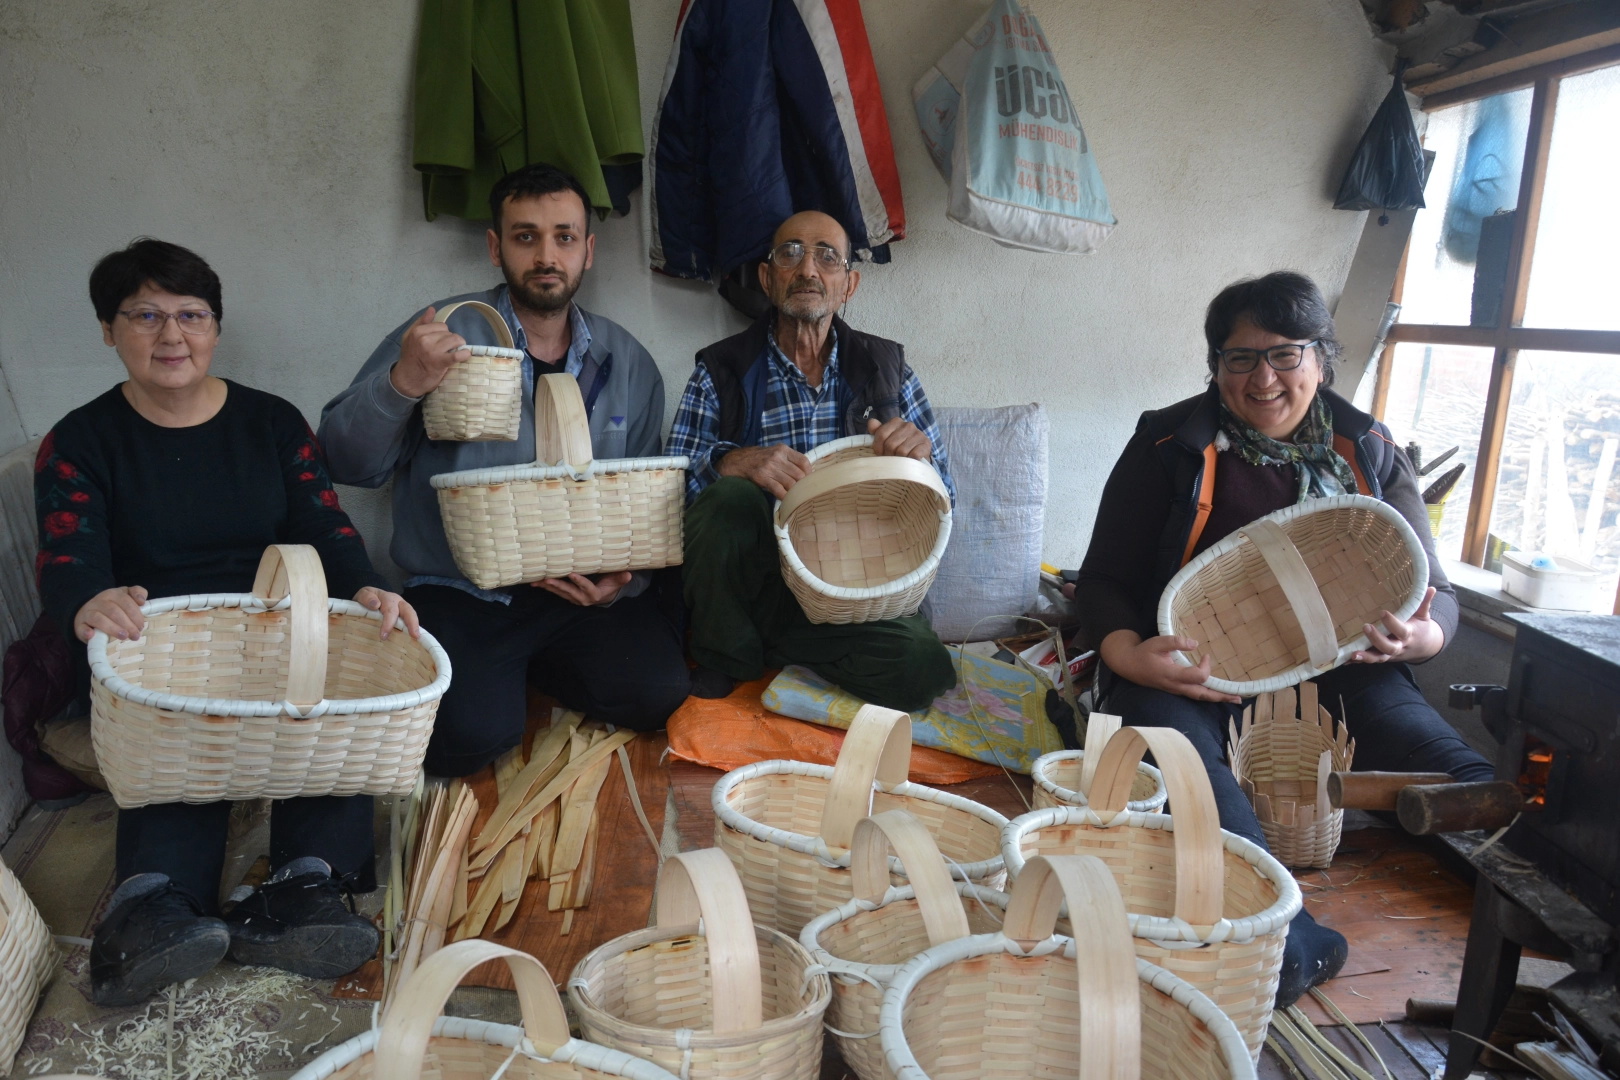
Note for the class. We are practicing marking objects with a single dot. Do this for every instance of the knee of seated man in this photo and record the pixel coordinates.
(729, 498)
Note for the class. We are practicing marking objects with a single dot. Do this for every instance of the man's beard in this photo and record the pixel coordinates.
(810, 307)
(545, 299)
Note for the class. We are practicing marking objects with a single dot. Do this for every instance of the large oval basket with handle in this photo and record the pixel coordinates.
(481, 397)
(861, 537)
(564, 514)
(280, 693)
(1284, 598)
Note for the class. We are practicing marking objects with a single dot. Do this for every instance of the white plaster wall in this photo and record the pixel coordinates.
(274, 139)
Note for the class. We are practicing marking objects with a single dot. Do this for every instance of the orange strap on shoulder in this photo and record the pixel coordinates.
(1347, 450)
(1206, 503)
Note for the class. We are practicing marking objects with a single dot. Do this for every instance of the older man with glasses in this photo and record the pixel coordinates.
(759, 402)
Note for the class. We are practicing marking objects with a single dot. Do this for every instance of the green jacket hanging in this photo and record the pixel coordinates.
(504, 83)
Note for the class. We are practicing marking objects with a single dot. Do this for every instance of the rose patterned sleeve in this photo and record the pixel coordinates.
(314, 515)
(75, 555)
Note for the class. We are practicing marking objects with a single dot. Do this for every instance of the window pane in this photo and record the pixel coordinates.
(1479, 152)
(1558, 491)
(1577, 257)
(1437, 400)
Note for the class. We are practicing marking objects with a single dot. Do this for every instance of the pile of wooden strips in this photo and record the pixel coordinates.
(433, 844)
(1318, 1056)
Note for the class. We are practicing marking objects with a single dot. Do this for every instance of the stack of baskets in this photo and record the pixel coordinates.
(788, 825)
(863, 942)
(27, 959)
(1285, 598)
(861, 537)
(1063, 777)
(705, 993)
(481, 397)
(1026, 1002)
(564, 514)
(414, 1040)
(281, 693)
(1211, 907)
(1282, 763)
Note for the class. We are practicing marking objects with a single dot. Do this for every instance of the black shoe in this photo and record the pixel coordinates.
(148, 940)
(297, 922)
(709, 683)
(1312, 955)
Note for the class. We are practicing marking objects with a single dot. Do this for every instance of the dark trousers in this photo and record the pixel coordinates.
(1395, 730)
(621, 664)
(744, 619)
(187, 842)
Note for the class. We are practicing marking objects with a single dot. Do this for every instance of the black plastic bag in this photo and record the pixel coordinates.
(1387, 170)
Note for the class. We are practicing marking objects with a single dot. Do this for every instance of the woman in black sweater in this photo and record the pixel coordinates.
(172, 483)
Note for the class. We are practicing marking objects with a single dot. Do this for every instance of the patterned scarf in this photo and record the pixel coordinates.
(1322, 472)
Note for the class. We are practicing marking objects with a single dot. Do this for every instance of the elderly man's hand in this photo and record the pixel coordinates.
(774, 468)
(426, 353)
(899, 438)
(1150, 663)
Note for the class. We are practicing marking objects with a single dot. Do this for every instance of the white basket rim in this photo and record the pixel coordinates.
(1307, 670)
(810, 936)
(1160, 928)
(815, 846)
(494, 351)
(575, 1051)
(891, 1019)
(102, 672)
(1037, 773)
(511, 474)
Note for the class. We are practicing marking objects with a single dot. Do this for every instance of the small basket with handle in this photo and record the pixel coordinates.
(1209, 906)
(862, 942)
(861, 536)
(1282, 763)
(788, 825)
(1063, 777)
(1286, 597)
(415, 1040)
(279, 693)
(27, 959)
(481, 397)
(704, 992)
(1029, 1002)
(564, 514)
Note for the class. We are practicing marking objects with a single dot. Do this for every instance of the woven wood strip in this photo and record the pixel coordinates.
(1363, 557)
(27, 960)
(1277, 760)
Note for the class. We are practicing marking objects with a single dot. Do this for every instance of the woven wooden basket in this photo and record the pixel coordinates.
(863, 941)
(1285, 598)
(1282, 763)
(415, 1041)
(705, 993)
(861, 537)
(281, 693)
(481, 397)
(27, 959)
(1026, 1002)
(1062, 778)
(565, 514)
(788, 825)
(1211, 907)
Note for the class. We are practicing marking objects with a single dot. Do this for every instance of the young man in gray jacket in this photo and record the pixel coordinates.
(598, 644)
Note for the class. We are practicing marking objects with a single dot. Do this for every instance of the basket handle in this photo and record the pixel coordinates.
(295, 570)
(876, 747)
(941, 909)
(861, 470)
(1110, 1000)
(704, 885)
(562, 428)
(503, 333)
(1200, 850)
(1299, 587)
(408, 1023)
(1100, 727)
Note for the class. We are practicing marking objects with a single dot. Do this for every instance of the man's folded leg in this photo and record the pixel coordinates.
(620, 664)
(896, 663)
(729, 575)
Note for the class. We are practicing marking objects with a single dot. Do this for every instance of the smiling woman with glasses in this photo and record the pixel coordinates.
(172, 483)
(1266, 434)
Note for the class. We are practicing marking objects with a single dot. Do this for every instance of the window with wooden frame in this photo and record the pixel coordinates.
(1508, 343)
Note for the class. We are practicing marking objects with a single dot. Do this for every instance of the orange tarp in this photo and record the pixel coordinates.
(726, 733)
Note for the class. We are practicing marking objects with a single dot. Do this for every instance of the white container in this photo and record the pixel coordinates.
(1567, 585)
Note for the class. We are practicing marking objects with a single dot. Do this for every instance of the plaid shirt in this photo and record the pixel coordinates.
(795, 413)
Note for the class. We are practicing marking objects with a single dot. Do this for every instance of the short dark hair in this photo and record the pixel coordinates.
(531, 180)
(170, 267)
(1282, 302)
